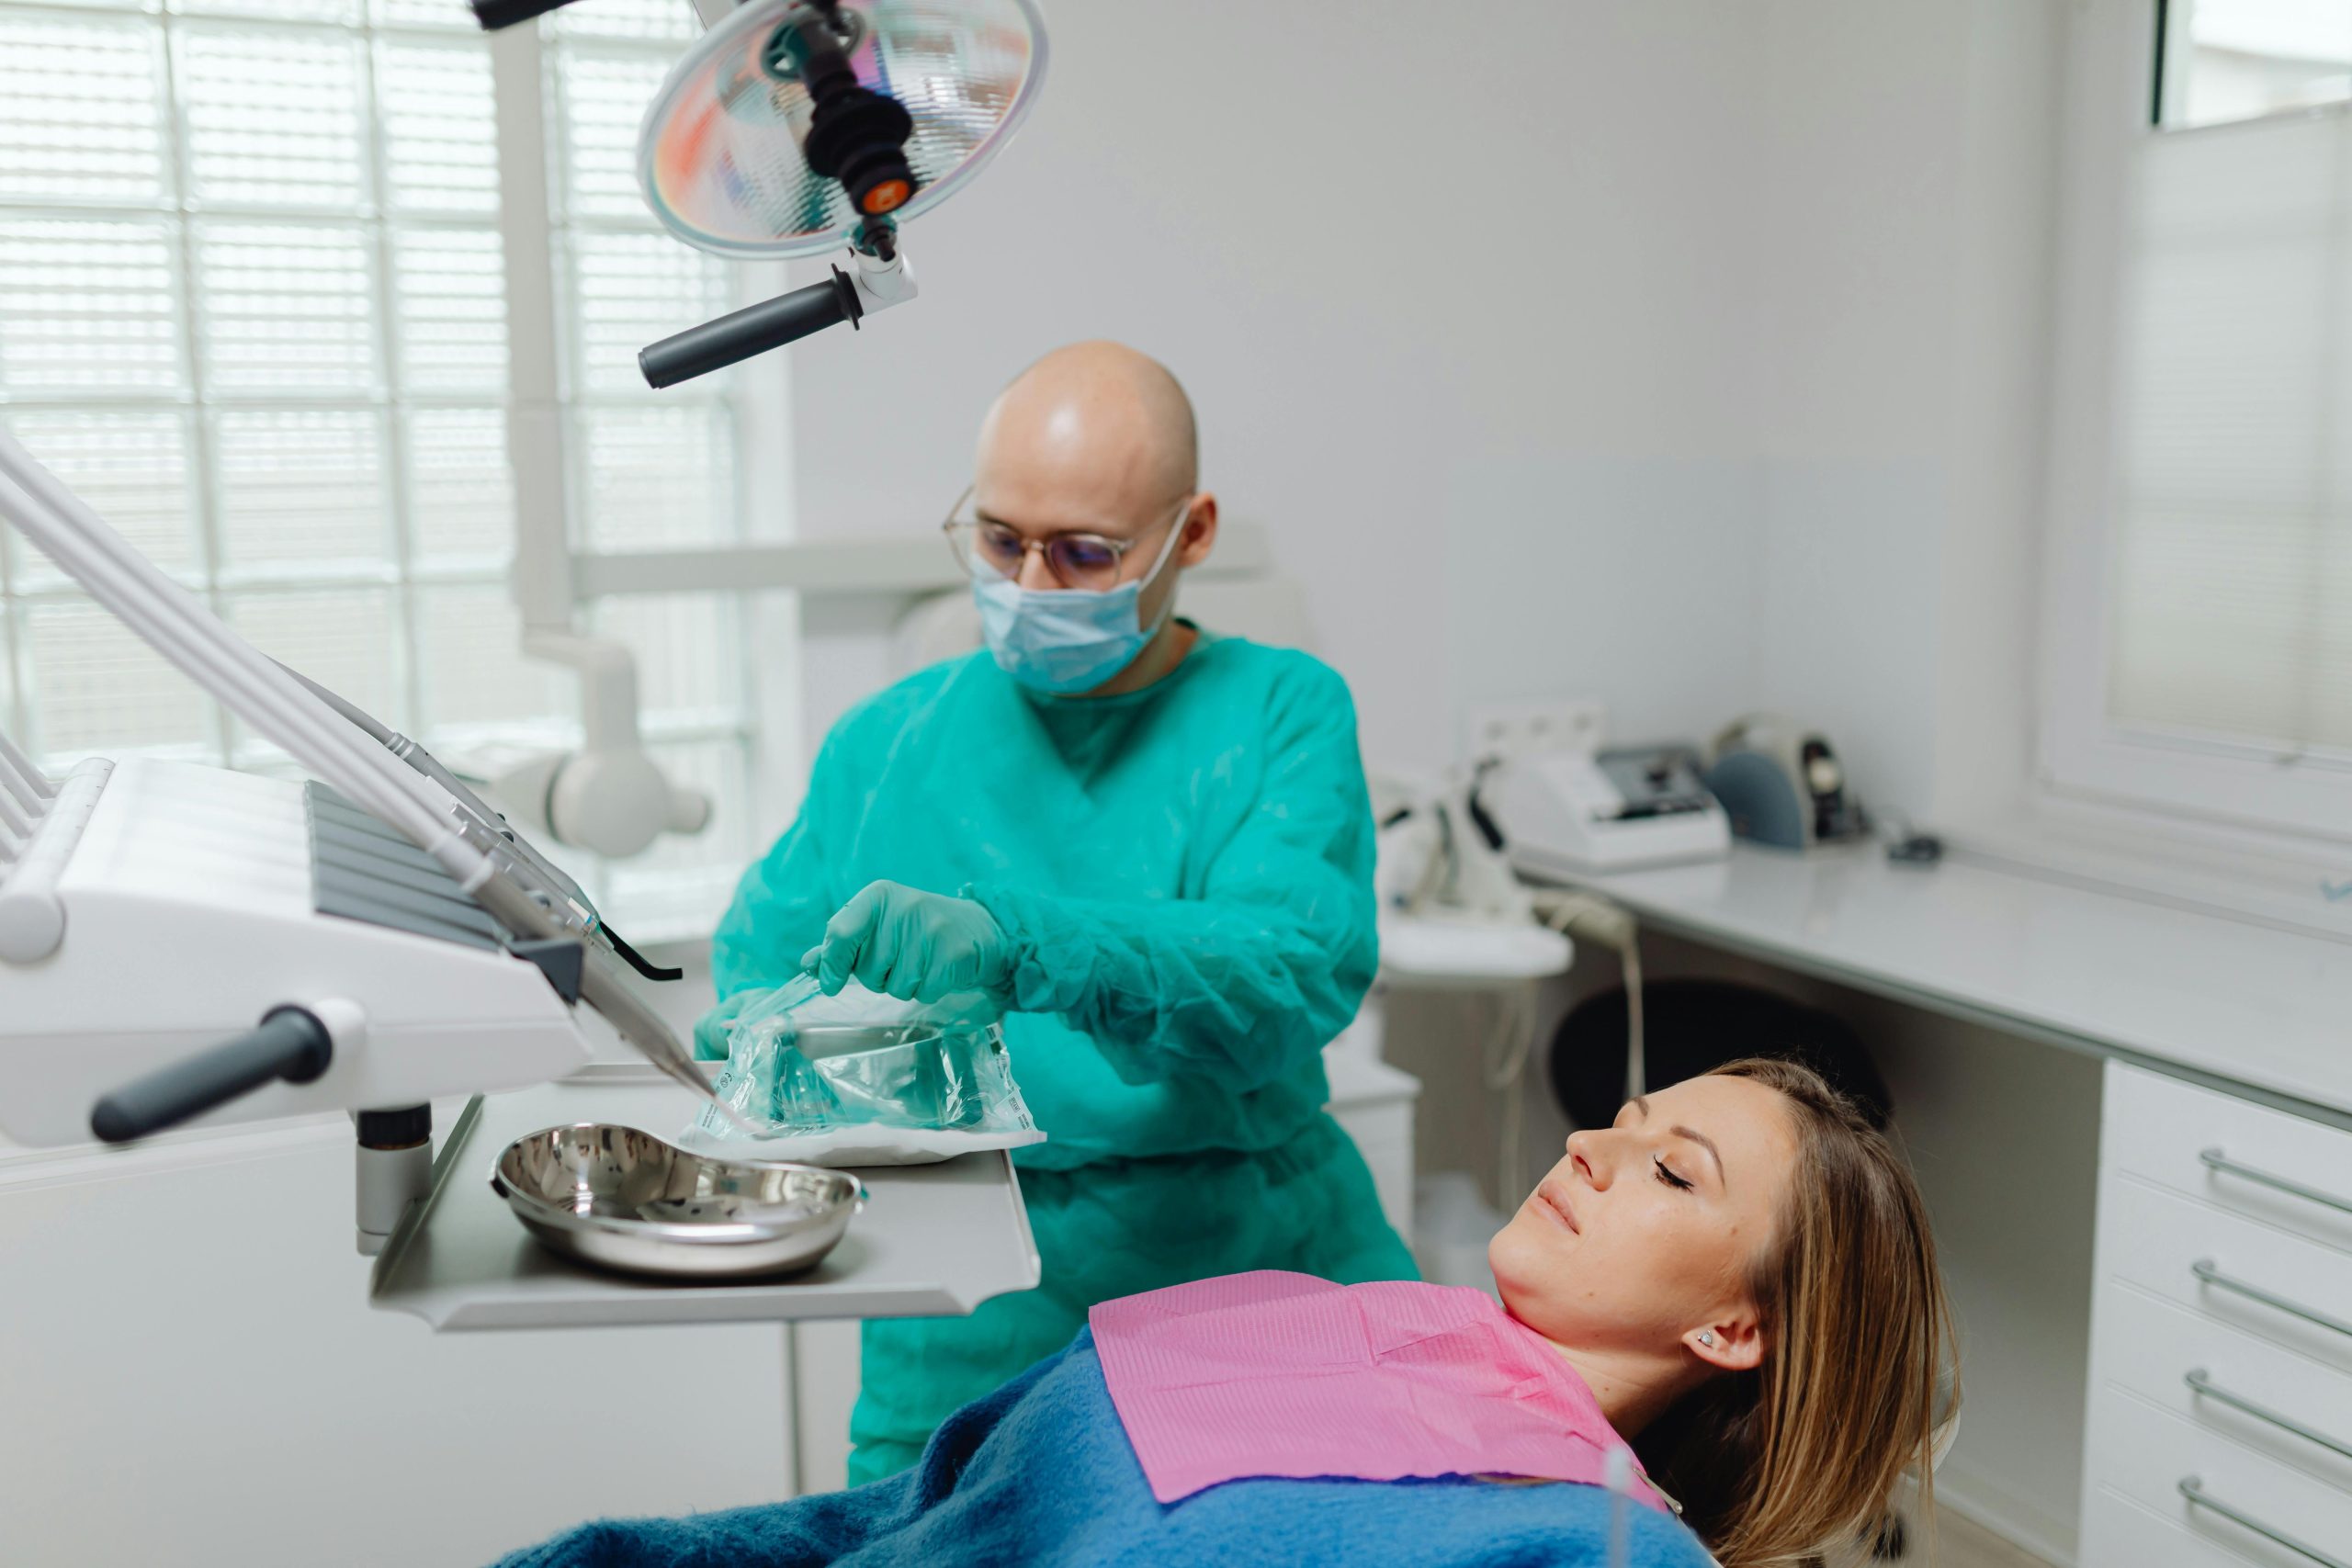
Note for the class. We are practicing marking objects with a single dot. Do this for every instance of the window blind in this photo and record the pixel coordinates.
(2229, 618)
(253, 307)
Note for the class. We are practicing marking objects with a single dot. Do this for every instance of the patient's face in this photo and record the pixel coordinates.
(1647, 1230)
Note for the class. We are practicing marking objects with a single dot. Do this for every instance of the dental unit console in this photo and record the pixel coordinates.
(184, 944)
(181, 942)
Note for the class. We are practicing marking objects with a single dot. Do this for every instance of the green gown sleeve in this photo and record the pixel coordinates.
(783, 900)
(1263, 968)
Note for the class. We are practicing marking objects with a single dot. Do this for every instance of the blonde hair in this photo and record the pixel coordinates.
(1775, 1465)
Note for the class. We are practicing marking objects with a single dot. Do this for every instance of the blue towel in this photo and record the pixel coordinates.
(1042, 1472)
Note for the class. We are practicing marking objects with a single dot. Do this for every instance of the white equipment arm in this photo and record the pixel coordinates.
(282, 709)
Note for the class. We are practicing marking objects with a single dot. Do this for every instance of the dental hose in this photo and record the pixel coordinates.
(1617, 1472)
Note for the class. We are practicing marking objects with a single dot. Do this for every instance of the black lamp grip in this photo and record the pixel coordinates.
(495, 14)
(755, 329)
(288, 1043)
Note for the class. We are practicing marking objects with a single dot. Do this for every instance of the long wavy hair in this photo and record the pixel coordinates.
(1776, 1465)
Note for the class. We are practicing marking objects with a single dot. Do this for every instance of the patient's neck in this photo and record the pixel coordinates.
(1632, 1387)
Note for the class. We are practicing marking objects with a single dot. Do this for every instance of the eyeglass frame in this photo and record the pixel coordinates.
(1118, 548)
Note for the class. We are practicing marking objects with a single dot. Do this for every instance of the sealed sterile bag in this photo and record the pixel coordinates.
(863, 1079)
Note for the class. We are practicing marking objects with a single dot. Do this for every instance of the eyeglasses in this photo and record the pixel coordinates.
(985, 547)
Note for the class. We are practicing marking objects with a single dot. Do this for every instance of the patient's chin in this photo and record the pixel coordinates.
(1513, 1257)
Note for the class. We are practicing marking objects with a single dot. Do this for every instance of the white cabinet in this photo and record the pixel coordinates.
(190, 1374)
(2219, 1418)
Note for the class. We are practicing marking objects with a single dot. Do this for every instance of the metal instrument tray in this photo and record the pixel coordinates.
(934, 1241)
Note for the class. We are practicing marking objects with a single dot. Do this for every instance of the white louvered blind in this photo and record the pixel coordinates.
(2230, 599)
(251, 305)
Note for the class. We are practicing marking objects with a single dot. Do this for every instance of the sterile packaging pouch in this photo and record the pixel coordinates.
(863, 1079)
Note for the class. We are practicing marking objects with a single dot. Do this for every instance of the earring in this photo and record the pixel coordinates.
(1707, 1338)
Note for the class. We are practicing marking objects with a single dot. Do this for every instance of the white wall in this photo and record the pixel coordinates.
(1460, 307)
(1686, 354)
(1904, 282)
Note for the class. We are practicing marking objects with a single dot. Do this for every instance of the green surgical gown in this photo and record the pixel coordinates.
(1185, 873)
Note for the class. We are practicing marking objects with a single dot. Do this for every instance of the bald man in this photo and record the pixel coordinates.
(1150, 845)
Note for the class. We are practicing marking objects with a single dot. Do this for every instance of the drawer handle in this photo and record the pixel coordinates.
(2203, 1268)
(2215, 1160)
(2194, 1490)
(2201, 1382)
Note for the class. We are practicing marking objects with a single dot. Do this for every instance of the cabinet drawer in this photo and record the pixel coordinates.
(2144, 1454)
(2160, 1129)
(2155, 1239)
(2151, 1348)
(2119, 1533)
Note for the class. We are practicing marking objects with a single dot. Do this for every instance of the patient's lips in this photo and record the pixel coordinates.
(1553, 1199)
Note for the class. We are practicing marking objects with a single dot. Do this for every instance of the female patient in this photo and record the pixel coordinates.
(1737, 1277)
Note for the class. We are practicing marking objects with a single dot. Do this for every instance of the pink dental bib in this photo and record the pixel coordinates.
(1277, 1374)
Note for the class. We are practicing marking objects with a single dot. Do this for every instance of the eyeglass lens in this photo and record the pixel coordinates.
(1079, 560)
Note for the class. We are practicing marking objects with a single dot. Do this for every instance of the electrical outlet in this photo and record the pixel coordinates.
(1532, 730)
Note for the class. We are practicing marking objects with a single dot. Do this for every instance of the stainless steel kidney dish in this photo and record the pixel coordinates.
(623, 1198)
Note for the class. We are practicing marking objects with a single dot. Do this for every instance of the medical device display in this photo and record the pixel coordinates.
(625, 1198)
(1604, 810)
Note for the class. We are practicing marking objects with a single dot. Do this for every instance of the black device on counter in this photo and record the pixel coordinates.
(1782, 785)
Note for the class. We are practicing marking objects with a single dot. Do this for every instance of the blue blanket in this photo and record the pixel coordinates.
(1041, 1472)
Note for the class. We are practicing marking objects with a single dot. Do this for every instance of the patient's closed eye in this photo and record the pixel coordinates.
(1665, 1173)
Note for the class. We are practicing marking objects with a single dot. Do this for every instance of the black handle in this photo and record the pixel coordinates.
(288, 1043)
(495, 14)
(755, 329)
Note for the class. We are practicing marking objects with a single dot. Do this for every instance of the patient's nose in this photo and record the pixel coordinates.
(1588, 1151)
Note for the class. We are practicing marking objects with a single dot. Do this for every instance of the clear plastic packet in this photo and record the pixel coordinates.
(863, 1079)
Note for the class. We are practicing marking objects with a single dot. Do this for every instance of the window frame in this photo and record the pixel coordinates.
(2084, 756)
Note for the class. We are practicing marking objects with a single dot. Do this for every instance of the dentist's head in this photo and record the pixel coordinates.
(1085, 508)
(1742, 1269)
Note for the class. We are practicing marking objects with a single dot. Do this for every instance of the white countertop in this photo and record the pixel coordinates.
(2223, 1000)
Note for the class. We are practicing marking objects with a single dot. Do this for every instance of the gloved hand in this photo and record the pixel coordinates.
(712, 1028)
(910, 944)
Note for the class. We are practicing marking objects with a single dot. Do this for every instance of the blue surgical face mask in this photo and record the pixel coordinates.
(1066, 640)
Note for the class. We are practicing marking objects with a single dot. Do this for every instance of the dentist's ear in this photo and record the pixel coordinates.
(1200, 538)
(1735, 1344)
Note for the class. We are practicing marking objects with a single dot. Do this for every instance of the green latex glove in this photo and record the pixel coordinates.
(914, 945)
(711, 1029)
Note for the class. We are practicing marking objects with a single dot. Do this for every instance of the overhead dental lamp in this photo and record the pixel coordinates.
(799, 126)
(791, 128)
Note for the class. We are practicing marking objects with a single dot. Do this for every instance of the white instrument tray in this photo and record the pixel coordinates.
(934, 1241)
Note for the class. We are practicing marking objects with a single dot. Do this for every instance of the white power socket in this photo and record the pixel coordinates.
(1507, 731)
